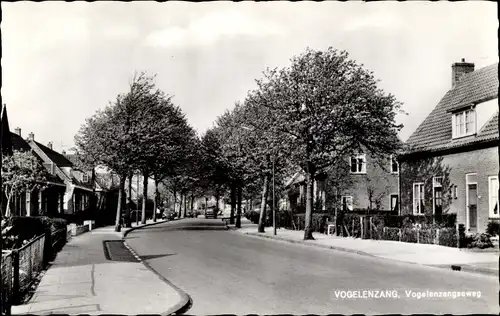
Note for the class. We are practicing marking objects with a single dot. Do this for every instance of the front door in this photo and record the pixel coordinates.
(472, 206)
(438, 200)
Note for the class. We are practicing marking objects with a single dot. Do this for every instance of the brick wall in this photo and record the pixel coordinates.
(453, 168)
(378, 179)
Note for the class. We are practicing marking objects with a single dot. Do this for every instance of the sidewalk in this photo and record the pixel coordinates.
(432, 255)
(81, 280)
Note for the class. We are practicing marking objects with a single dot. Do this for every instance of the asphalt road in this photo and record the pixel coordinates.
(226, 272)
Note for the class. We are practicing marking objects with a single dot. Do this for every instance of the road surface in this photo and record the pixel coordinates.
(226, 272)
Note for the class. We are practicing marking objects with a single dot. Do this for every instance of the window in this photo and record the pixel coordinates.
(418, 198)
(394, 164)
(85, 178)
(347, 203)
(358, 164)
(394, 202)
(464, 123)
(493, 196)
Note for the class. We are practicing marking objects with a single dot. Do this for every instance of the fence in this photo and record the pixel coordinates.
(6, 290)
(28, 261)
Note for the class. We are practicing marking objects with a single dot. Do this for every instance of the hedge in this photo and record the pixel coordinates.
(318, 221)
(493, 228)
(426, 221)
(409, 235)
(448, 237)
(391, 233)
(29, 227)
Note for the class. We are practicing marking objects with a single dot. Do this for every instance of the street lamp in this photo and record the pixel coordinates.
(273, 173)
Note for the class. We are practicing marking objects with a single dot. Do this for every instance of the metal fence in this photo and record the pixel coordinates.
(28, 262)
(6, 290)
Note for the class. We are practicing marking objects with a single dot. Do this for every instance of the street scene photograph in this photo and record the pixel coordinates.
(264, 158)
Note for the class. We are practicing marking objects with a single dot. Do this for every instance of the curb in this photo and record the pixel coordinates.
(482, 271)
(185, 302)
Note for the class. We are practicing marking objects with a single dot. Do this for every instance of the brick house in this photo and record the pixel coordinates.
(47, 201)
(451, 163)
(79, 190)
(362, 183)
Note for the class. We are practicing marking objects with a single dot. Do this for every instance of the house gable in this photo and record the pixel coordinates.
(474, 89)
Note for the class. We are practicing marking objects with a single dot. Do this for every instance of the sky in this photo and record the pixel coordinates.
(63, 61)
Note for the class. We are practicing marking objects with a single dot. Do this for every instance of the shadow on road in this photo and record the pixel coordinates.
(149, 257)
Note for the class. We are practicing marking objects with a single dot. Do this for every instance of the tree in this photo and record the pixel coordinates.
(21, 172)
(326, 107)
(106, 139)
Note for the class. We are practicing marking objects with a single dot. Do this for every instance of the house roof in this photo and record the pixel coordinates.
(435, 132)
(54, 156)
(18, 143)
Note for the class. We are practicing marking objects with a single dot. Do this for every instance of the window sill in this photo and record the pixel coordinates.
(463, 136)
(358, 172)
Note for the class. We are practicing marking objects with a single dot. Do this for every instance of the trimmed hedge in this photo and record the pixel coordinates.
(318, 221)
(426, 221)
(478, 240)
(426, 236)
(448, 237)
(391, 233)
(409, 235)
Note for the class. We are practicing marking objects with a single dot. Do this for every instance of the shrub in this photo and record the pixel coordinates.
(426, 236)
(253, 216)
(448, 237)
(426, 221)
(318, 221)
(478, 240)
(391, 233)
(493, 228)
(409, 235)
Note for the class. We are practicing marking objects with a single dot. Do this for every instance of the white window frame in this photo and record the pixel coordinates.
(415, 184)
(391, 165)
(349, 202)
(390, 201)
(363, 165)
(491, 204)
(467, 182)
(459, 123)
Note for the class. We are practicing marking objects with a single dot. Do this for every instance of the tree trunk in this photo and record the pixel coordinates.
(233, 203)
(144, 196)
(185, 205)
(262, 216)
(121, 193)
(192, 201)
(129, 207)
(308, 230)
(238, 216)
(217, 201)
(180, 204)
(155, 202)
(175, 200)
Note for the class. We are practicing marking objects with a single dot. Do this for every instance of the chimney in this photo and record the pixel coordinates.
(18, 131)
(49, 145)
(460, 69)
(31, 136)
(64, 152)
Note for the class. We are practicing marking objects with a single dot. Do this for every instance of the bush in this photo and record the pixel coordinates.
(478, 240)
(493, 228)
(25, 228)
(391, 233)
(409, 235)
(426, 221)
(448, 237)
(253, 216)
(426, 236)
(318, 221)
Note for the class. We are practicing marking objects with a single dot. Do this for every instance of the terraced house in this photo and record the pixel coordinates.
(362, 183)
(451, 162)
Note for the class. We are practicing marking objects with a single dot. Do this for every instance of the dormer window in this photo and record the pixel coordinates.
(464, 123)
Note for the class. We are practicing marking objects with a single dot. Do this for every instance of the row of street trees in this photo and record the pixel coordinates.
(141, 131)
(308, 116)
